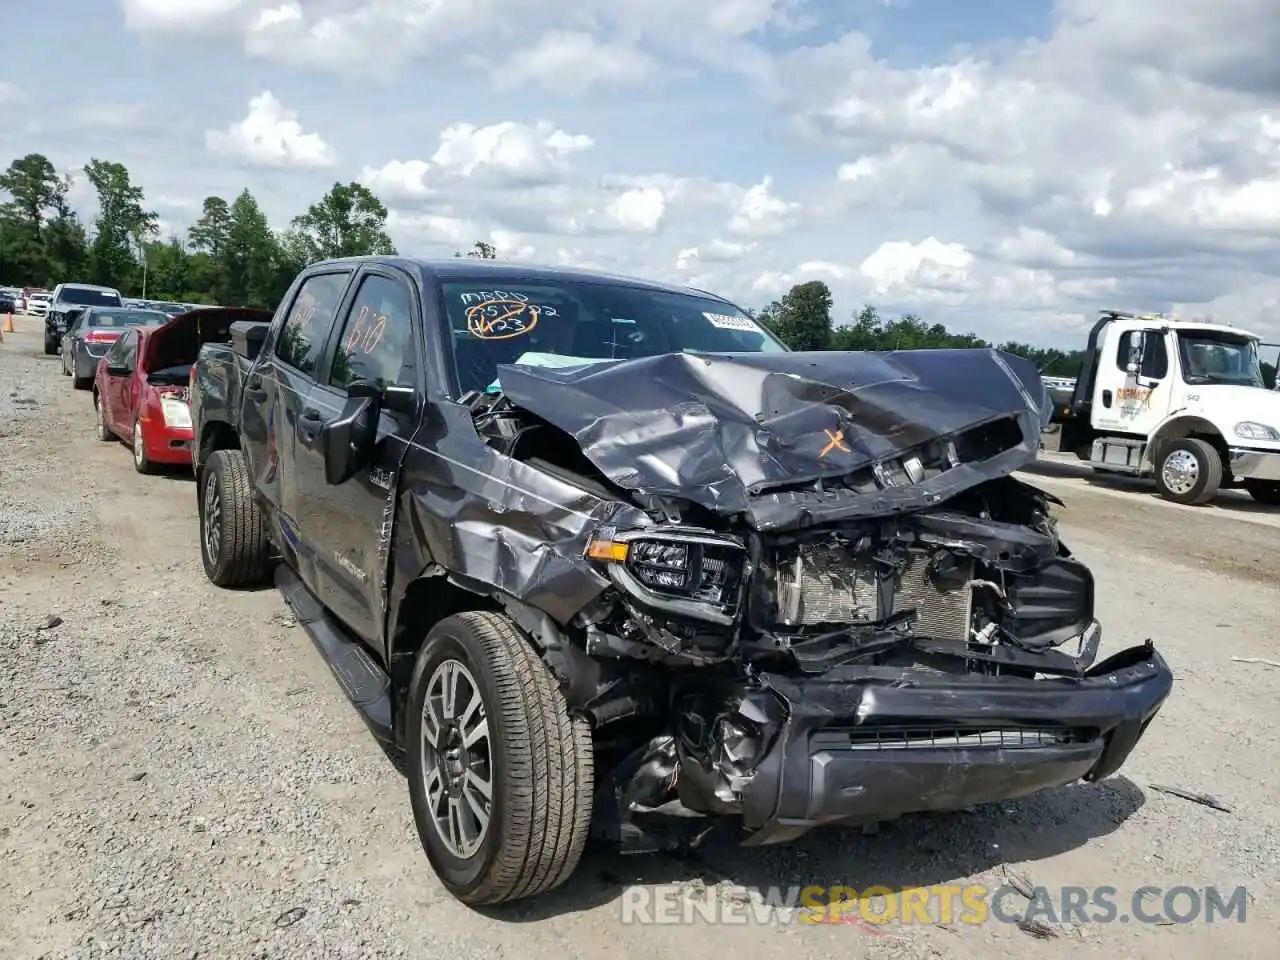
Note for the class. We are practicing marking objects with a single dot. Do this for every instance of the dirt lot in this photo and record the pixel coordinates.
(183, 778)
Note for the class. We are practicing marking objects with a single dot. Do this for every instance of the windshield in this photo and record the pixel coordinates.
(1218, 358)
(127, 318)
(89, 297)
(42, 297)
(554, 322)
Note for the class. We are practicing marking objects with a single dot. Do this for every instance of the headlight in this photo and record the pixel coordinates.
(176, 413)
(1249, 430)
(673, 568)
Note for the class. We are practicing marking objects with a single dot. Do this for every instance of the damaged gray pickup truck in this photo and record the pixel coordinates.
(592, 552)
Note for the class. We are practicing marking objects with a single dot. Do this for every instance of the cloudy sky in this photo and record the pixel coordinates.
(1004, 166)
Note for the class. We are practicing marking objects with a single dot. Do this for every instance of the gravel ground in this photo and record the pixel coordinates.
(183, 778)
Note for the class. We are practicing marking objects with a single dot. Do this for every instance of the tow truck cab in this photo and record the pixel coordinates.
(1184, 402)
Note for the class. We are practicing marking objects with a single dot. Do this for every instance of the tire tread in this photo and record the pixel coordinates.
(550, 768)
(244, 547)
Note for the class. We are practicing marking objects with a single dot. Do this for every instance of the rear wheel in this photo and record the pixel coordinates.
(233, 535)
(1264, 491)
(1189, 471)
(500, 774)
(50, 348)
(140, 461)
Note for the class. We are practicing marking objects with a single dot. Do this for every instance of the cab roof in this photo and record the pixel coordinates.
(1187, 325)
(503, 271)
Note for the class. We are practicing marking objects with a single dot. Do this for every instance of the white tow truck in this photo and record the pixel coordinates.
(1183, 402)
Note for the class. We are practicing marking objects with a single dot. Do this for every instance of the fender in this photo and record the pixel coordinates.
(1180, 423)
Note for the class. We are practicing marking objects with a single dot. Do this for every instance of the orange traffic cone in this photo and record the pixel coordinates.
(8, 323)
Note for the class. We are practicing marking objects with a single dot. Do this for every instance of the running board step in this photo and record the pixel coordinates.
(364, 682)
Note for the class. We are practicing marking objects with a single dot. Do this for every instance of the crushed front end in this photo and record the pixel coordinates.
(857, 671)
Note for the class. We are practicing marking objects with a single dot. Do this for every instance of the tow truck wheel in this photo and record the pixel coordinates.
(233, 536)
(1190, 471)
(500, 775)
(1264, 491)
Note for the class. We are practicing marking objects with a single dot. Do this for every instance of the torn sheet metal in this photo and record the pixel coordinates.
(496, 523)
(747, 433)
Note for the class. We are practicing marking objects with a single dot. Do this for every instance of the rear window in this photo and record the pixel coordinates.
(127, 318)
(88, 297)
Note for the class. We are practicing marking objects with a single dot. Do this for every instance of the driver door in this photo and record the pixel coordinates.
(350, 523)
(1146, 397)
(120, 388)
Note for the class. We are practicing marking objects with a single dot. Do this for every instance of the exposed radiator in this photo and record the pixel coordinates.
(829, 584)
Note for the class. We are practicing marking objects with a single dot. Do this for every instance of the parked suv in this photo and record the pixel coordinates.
(69, 298)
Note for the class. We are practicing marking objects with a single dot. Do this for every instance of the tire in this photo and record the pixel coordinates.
(541, 767)
(1189, 471)
(1264, 491)
(62, 362)
(104, 431)
(233, 536)
(50, 348)
(140, 461)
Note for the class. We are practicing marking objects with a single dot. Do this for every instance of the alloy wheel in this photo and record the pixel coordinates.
(457, 758)
(212, 519)
(1180, 472)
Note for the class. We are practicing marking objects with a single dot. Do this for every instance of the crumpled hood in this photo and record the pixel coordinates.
(727, 431)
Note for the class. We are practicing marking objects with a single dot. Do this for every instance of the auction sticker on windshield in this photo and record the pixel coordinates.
(726, 322)
(502, 318)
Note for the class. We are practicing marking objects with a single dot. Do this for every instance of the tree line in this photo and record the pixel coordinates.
(802, 320)
(231, 256)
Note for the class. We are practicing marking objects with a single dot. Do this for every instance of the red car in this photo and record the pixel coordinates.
(141, 387)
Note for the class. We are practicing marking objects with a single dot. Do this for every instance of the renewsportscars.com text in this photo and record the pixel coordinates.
(939, 903)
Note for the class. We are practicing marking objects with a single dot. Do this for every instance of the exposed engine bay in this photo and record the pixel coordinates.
(885, 650)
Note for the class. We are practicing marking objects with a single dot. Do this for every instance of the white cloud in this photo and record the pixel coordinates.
(569, 62)
(271, 136)
(504, 154)
(1128, 156)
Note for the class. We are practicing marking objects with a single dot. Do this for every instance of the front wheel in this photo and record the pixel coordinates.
(100, 412)
(233, 534)
(1264, 491)
(50, 348)
(500, 774)
(1189, 471)
(140, 461)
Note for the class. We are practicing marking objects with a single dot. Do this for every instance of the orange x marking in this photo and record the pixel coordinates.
(836, 442)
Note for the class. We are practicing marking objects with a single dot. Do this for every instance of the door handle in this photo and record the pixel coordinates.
(309, 423)
(1106, 398)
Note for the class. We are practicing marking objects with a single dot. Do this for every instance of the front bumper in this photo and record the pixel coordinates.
(165, 444)
(1255, 464)
(857, 744)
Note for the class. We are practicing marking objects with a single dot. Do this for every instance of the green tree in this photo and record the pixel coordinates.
(348, 221)
(36, 195)
(802, 318)
(122, 224)
(480, 250)
(251, 256)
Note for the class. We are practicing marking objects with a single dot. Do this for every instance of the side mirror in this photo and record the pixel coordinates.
(347, 441)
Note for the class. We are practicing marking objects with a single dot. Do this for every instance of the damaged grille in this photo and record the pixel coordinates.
(929, 738)
(830, 584)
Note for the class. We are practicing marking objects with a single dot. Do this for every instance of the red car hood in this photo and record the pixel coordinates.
(179, 341)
